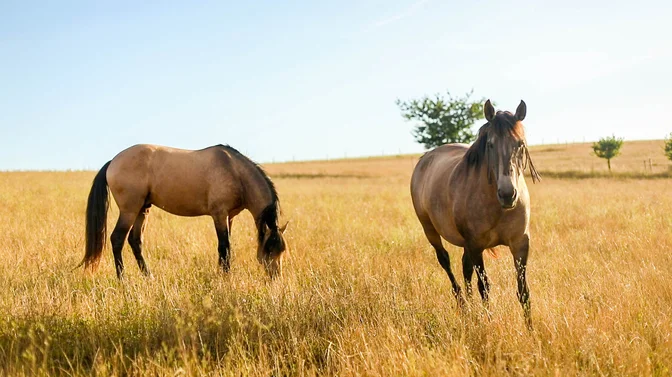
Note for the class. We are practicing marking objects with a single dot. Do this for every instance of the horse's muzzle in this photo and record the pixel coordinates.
(508, 201)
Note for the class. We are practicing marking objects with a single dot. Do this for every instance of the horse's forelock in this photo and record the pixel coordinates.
(505, 124)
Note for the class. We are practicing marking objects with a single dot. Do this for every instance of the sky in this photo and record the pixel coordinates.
(301, 80)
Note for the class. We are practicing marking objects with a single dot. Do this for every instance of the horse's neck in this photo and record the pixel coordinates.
(257, 195)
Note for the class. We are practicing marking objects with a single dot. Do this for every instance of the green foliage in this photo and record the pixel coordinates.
(442, 119)
(608, 147)
(668, 146)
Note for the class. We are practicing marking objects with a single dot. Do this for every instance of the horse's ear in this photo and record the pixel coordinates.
(521, 110)
(284, 228)
(489, 111)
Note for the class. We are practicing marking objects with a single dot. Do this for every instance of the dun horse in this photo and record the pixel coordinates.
(217, 181)
(475, 197)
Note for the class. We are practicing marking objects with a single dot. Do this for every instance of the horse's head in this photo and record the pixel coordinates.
(272, 249)
(502, 142)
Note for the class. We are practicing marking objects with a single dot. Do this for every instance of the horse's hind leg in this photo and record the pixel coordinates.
(444, 259)
(135, 238)
(118, 236)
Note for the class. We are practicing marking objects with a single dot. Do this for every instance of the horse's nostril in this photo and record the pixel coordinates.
(506, 195)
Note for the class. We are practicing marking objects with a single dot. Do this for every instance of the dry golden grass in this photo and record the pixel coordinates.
(362, 293)
(578, 157)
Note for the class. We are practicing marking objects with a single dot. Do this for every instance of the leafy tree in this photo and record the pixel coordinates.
(608, 147)
(442, 119)
(668, 146)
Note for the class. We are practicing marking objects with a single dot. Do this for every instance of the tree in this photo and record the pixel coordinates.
(608, 147)
(442, 119)
(668, 147)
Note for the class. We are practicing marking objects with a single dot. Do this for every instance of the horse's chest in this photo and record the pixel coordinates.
(490, 229)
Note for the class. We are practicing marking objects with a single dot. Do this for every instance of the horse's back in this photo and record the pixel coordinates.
(180, 181)
(132, 167)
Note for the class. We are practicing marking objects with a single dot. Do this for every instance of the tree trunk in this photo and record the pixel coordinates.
(609, 164)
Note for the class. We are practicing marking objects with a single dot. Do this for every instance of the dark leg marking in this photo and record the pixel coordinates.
(483, 282)
(117, 239)
(135, 239)
(444, 261)
(467, 271)
(520, 260)
(224, 246)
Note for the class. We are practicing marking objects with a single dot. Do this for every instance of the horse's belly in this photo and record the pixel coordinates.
(453, 237)
(182, 210)
(444, 222)
(447, 229)
(180, 202)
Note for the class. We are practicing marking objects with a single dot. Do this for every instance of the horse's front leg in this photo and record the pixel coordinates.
(224, 247)
(467, 271)
(476, 256)
(520, 250)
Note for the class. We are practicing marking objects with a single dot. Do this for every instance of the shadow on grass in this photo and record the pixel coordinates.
(121, 343)
(55, 345)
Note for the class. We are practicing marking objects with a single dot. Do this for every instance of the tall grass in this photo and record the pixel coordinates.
(362, 293)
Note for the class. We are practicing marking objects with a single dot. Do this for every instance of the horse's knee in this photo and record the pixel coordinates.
(135, 241)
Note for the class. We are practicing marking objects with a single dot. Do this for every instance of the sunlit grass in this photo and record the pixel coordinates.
(362, 293)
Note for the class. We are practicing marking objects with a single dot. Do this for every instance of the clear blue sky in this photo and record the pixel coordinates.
(283, 80)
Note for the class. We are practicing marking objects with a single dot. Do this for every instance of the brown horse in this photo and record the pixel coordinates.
(475, 197)
(217, 181)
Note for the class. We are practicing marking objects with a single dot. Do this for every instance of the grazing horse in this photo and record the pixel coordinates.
(217, 181)
(475, 197)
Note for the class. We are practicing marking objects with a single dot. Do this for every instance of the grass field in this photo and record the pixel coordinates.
(363, 293)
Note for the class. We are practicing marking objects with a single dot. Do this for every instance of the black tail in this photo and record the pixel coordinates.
(96, 219)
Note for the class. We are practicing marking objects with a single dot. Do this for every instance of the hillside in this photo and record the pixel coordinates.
(550, 158)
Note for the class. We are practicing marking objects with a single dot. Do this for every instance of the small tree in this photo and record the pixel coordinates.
(442, 119)
(668, 147)
(608, 147)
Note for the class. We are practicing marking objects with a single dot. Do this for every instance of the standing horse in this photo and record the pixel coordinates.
(217, 181)
(475, 197)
